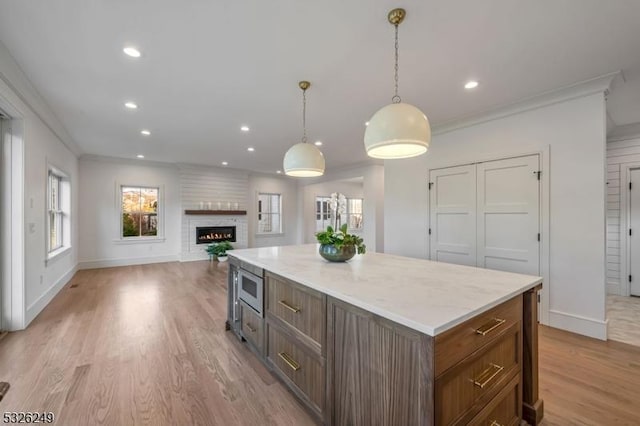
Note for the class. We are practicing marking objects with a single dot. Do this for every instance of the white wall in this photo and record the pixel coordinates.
(183, 187)
(620, 154)
(100, 245)
(44, 141)
(573, 131)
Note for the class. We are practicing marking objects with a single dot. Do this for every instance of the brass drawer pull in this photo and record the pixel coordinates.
(290, 361)
(495, 423)
(487, 375)
(293, 309)
(490, 326)
(251, 329)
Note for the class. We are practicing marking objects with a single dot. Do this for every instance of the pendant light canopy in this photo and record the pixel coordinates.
(304, 159)
(398, 130)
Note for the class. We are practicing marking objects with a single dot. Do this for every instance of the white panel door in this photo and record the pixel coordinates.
(634, 238)
(508, 219)
(453, 215)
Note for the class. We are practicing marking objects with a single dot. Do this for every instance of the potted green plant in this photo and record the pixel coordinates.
(219, 250)
(339, 246)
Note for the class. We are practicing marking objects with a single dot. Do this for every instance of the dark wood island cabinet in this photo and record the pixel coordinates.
(373, 363)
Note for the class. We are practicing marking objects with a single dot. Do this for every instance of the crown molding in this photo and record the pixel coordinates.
(347, 171)
(129, 161)
(600, 84)
(623, 133)
(17, 82)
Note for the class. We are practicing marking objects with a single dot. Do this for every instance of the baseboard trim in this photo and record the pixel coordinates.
(578, 324)
(36, 307)
(111, 263)
(193, 257)
(614, 288)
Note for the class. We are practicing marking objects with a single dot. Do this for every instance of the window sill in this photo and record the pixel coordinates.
(139, 240)
(270, 235)
(56, 254)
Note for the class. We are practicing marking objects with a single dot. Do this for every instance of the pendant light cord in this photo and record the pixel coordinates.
(304, 115)
(396, 98)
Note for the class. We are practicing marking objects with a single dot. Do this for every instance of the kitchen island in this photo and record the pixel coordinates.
(385, 339)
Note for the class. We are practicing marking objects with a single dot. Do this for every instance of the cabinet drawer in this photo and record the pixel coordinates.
(456, 344)
(252, 327)
(306, 371)
(504, 409)
(465, 389)
(300, 307)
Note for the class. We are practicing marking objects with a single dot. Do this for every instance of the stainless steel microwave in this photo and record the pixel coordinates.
(251, 290)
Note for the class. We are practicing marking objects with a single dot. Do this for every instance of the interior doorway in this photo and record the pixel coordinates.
(5, 217)
(623, 306)
(12, 290)
(634, 232)
(3, 213)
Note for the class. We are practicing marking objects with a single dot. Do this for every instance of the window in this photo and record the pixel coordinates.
(325, 217)
(139, 211)
(58, 207)
(55, 212)
(269, 216)
(323, 213)
(354, 213)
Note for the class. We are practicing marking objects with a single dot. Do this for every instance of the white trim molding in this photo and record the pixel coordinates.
(579, 324)
(625, 224)
(110, 263)
(12, 228)
(600, 84)
(36, 307)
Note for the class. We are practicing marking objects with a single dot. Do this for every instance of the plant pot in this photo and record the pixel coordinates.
(223, 258)
(334, 254)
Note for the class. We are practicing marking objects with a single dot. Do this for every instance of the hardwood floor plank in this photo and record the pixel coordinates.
(145, 345)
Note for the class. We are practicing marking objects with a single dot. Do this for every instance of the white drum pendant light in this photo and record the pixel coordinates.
(398, 130)
(304, 159)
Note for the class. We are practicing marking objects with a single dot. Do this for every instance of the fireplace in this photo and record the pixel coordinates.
(215, 234)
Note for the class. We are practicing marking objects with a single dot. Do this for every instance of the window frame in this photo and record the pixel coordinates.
(329, 221)
(61, 214)
(259, 213)
(159, 237)
(350, 213)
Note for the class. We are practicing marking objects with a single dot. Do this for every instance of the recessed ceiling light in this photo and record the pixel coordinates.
(471, 84)
(366, 124)
(145, 132)
(251, 149)
(131, 51)
(318, 143)
(131, 105)
(224, 163)
(140, 156)
(244, 128)
(279, 172)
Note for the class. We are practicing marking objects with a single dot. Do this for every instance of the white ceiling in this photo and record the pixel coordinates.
(211, 66)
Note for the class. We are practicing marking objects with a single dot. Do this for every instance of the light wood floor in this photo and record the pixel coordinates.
(624, 319)
(146, 345)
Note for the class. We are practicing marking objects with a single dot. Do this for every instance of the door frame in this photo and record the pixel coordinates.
(12, 230)
(625, 224)
(544, 214)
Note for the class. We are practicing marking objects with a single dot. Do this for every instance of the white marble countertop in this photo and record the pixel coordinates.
(430, 297)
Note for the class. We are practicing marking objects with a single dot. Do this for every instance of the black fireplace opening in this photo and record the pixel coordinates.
(215, 234)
